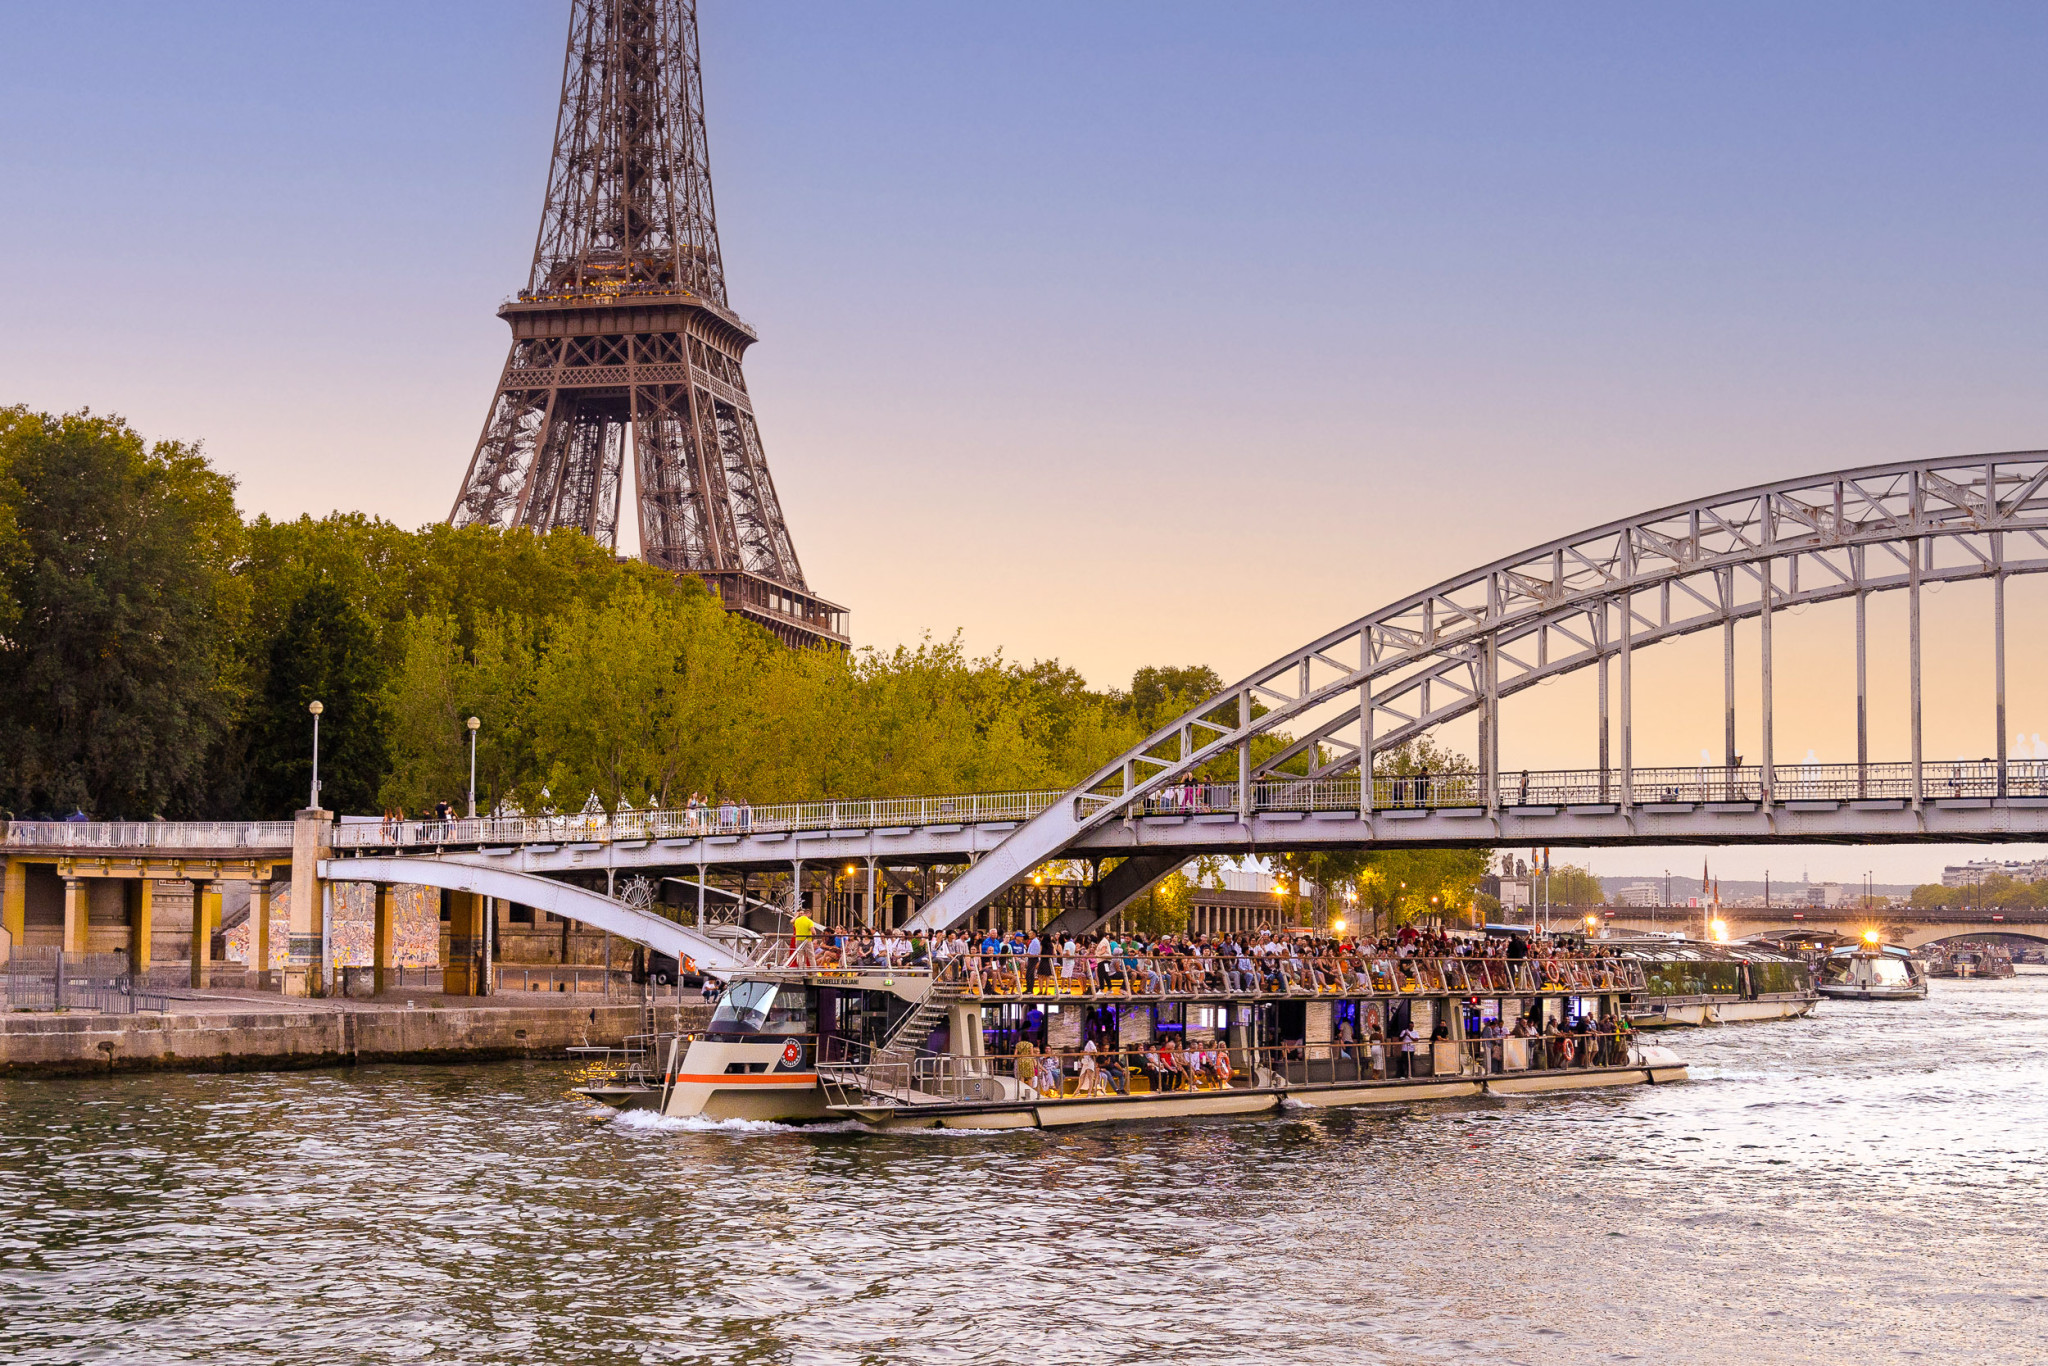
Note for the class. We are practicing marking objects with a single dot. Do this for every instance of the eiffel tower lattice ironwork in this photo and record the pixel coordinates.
(625, 357)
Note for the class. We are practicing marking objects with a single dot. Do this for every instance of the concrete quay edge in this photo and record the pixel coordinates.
(269, 1040)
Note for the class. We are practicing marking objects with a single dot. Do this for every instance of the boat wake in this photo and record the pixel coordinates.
(648, 1121)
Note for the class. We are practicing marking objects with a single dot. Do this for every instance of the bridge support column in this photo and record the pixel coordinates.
(1856, 554)
(305, 968)
(1366, 795)
(382, 934)
(259, 933)
(77, 922)
(1628, 756)
(868, 906)
(460, 970)
(1913, 549)
(205, 901)
(1998, 653)
(1765, 717)
(1606, 786)
(13, 904)
(141, 923)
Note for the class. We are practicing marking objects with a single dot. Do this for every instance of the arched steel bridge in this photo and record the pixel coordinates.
(1589, 600)
(1274, 762)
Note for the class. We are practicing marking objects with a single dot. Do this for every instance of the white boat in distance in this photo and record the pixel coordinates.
(1873, 972)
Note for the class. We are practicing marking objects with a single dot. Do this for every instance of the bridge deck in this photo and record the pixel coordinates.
(1833, 803)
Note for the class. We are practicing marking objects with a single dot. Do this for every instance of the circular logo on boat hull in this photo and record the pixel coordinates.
(792, 1053)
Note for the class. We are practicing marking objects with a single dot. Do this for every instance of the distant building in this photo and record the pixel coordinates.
(1980, 871)
(1824, 894)
(1247, 880)
(1639, 894)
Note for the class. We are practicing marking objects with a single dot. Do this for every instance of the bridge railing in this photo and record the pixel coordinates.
(130, 836)
(1689, 785)
(701, 822)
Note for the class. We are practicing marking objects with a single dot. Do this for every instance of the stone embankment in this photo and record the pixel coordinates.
(250, 1031)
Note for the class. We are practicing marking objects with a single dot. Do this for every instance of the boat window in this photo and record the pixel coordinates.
(1772, 978)
(759, 1008)
(1889, 972)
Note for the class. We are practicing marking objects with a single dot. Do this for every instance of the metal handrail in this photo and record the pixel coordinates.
(1044, 1075)
(1337, 973)
(252, 835)
(1689, 785)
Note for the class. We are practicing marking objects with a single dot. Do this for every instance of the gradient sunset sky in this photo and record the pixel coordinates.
(1126, 334)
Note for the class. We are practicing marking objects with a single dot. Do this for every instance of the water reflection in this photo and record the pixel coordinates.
(1865, 1184)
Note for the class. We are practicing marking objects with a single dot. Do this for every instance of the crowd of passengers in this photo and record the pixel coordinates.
(1026, 962)
(1378, 1051)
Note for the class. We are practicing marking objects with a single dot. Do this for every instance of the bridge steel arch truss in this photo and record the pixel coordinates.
(1584, 601)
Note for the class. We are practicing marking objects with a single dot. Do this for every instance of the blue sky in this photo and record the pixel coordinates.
(1127, 334)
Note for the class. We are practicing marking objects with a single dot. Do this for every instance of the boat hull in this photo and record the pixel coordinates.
(1718, 1012)
(1852, 992)
(788, 1106)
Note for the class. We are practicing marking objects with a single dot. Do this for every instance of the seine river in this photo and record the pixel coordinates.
(1866, 1186)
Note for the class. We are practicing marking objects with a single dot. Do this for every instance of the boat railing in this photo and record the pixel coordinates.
(1213, 1065)
(635, 1060)
(1328, 974)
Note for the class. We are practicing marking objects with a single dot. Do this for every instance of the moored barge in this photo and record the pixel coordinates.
(996, 1042)
(1691, 982)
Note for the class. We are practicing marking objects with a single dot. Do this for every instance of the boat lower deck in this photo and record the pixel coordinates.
(1047, 1113)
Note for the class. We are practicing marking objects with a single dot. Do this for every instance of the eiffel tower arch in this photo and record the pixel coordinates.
(625, 359)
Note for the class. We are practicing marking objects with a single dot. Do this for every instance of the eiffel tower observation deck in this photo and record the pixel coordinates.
(625, 358)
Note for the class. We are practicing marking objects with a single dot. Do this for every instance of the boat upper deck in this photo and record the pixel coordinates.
(1132, 976)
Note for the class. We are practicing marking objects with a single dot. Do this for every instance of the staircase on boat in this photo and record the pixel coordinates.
(892, 1075)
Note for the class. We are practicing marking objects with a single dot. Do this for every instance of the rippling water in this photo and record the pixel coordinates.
(1867, 1185)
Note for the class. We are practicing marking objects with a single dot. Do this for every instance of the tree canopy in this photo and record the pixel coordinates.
(118, 620)
(157, 655)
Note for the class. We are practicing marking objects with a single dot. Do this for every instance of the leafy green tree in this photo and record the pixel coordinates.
(117, 612)
(1161, 692)
(1402, 885)
(326, 651)
(1571, 885)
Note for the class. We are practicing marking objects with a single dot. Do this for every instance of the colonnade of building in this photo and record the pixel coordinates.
(133, 908)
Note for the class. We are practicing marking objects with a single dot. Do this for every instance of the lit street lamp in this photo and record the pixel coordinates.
(315, 707)
(473, 724)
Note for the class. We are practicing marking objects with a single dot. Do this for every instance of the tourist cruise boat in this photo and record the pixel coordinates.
(996, 1043)
(1691, 982)
(1971, 960)
(1872, 971)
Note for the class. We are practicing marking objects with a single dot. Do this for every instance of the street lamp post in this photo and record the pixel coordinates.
(315, 708)
(473, 724)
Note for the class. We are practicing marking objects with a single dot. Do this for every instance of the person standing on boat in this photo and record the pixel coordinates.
(1088, 1076)
(801, 934)
(1408, 1044)
(1027, 1066)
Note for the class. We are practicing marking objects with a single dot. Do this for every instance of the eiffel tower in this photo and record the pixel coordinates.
(625, 355)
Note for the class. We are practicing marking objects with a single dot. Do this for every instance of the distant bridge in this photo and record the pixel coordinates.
(1328, 711)
(1897, 924)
